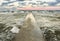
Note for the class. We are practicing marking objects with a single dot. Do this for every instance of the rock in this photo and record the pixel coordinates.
(2, 26)
(57, 32)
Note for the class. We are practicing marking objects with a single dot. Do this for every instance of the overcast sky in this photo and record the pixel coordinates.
(47, 0)
(34, 0)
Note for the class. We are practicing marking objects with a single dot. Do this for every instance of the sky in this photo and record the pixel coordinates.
(48, 0)
(34, 0)
(53, 1)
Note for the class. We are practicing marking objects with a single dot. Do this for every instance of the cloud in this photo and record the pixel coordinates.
(1, 1)
(46, 0)
(12, 0)
(49, 0)
(58, 4)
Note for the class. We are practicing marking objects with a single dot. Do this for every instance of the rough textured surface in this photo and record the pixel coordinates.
(29, 32)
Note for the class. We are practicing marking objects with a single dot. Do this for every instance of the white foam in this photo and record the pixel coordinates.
(31, 17)
(15, 29)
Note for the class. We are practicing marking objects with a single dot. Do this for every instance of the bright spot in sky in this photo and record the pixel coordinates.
(1, 1)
